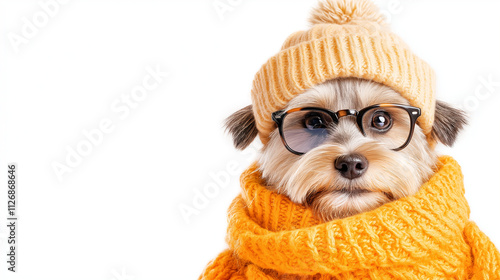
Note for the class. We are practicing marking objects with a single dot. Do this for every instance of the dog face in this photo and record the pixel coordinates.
(342, 166)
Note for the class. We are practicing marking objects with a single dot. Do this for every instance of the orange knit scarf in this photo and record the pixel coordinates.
(425, 236)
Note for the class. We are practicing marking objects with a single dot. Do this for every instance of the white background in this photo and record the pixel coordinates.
(116, 214)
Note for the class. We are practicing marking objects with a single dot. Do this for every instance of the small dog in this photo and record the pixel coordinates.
(336, 152)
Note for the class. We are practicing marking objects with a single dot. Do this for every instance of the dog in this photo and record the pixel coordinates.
(348, 183)
(330, 158)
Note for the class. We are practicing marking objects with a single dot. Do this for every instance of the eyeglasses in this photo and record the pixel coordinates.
(303, 129)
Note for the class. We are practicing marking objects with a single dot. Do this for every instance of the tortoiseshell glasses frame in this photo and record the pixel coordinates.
(413, 113)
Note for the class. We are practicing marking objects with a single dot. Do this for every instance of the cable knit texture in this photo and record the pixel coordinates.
(348, 38)
(425, 236)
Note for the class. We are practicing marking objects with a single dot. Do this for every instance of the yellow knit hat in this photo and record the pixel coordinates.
(348, 38)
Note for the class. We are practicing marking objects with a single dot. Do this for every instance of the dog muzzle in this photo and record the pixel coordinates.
(424, 236)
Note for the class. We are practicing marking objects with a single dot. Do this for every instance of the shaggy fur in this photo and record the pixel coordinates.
(311, 179)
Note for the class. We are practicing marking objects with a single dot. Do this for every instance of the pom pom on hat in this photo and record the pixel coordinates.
(348, 38)
(345, 11)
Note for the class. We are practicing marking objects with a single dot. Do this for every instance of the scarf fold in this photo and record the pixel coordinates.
(425, 236)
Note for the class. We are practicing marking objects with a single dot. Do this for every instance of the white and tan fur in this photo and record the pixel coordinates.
(311, 179)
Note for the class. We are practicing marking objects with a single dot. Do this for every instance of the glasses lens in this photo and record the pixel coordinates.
(306, 129)
(389, 125)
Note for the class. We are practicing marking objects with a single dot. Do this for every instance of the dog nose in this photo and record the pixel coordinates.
(351, 166)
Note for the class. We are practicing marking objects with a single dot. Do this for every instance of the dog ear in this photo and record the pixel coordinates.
(448, 122)
(241, 126)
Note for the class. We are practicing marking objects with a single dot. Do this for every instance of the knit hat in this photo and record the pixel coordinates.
(348, 38)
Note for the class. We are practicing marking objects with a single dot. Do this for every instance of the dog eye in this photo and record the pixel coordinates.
(381, 121)
(314, 121)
